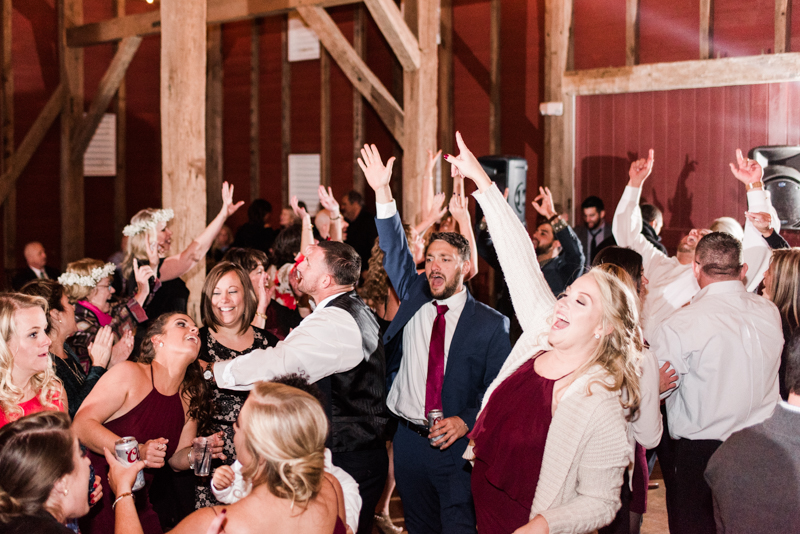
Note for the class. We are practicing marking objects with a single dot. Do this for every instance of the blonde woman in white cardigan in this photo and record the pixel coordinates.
(583, 347)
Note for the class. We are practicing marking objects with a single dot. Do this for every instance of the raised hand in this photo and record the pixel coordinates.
(459, 207)
(432, 159)
(100, 348)
(228, 207)
(300, 212)
(762, 222)
(468, 165)
(543, 203)
(328, 201)
(439, 209)
(377, 174)
(142, 276)
(746, 170)
(122, 349)
(640, 170)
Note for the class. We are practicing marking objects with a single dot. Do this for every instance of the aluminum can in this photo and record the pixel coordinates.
(434, 416)
(127, 451)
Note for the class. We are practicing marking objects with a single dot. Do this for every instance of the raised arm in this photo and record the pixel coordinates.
(329, 202)
(532, 298)
(307, 234)
(427, 203)
(459, 207)
(571, 248)
(178, 265)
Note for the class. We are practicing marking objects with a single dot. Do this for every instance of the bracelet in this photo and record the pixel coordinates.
(262, 315)
(336, 218)
(128, 494)
(190, 456)
(753, 185)
(558, 224)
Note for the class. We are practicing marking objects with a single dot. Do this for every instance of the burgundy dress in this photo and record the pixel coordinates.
(509, 437)
(157, 416)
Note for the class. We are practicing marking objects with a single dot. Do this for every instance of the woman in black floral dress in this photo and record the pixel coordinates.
(228, 306)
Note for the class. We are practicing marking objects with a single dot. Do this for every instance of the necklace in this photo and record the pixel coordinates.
(76, 371)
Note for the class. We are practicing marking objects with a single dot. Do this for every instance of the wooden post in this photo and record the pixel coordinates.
(419, 101)
(360, 46)
(631, 32)
(706, 29)
(557, 152)
(214, 160)
(783, 26)
(325, 116)
(121, 110)
(183, 142)
(10, 205)
(447, 128)
(286, 110)
(72, 194)
(494, 77)
(255, 133)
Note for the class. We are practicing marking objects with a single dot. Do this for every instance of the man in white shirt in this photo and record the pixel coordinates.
(445, 349)
(672, 282)
(338, 347)
(726, 349)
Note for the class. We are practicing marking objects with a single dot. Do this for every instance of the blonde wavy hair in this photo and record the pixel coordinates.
(785, 286)
(76, 292)
(376, 286)
(46, 382)
(618, 352)
(285, 431)
(137, 244)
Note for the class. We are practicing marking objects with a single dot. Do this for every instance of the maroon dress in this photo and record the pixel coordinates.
(509, 437)
(157, 416)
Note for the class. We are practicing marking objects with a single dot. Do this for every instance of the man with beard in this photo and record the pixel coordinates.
(338, 347)
(672, 281)
(557, 247)
(594, 229)
(443, 351)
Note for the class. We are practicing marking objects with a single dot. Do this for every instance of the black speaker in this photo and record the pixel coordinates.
(510, 172)
(782, 179)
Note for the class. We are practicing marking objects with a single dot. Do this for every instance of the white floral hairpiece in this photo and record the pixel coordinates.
(98, 273)
(137, 228)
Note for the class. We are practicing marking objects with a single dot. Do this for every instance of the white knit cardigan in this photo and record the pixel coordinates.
(587, 448)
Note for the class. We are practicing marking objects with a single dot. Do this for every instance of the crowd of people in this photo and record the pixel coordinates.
(342, 356)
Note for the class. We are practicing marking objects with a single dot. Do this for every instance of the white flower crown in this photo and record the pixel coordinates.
(137, 228)
(98, 273)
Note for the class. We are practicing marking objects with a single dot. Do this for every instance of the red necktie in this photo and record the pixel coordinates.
(433, 387)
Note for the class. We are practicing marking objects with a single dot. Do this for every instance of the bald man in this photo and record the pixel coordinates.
(37, 267)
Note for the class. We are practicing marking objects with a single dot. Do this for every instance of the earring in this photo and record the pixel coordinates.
(161, 344)
(597, 336)
(66, 492)
(59, 320)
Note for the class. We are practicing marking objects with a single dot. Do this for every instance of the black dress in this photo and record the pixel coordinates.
(76, 382)
(41, 523)
(227, 403)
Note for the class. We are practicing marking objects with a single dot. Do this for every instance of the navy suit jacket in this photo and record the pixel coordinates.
(480, 343)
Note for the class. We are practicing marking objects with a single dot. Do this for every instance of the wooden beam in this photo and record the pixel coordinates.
(697, 74)
(706, 29)
(255, 134)
(32, 140)
(183, 142)
(494, 77)
(447, 129)
(214, 92)
(10, 204)
(360, 46)
(356, 69)
(120, 179)
(286, 111)
(390, 21)
(783, 26)
(557, 168)
(72, 190)
(631, 32)
(108, 86)
(325, 117)
(420, 93)
(219, 12)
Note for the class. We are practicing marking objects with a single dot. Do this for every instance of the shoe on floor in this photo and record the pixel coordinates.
(385, 525)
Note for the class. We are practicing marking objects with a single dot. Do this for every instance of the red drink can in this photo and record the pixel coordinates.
(434, 416)
(127, 451)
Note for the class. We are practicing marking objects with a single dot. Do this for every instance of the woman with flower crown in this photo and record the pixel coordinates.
(149, 242)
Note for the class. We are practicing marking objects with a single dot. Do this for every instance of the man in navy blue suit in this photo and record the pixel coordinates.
(443, 349)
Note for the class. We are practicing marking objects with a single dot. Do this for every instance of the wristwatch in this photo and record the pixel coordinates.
(208, 374)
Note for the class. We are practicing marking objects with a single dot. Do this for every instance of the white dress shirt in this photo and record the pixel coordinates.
(407, 396)
(326, 342)
(239, 489)
(673, 285)
(726, 349)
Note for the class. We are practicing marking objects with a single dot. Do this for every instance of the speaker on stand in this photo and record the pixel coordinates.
(510, 172)
(781, 166)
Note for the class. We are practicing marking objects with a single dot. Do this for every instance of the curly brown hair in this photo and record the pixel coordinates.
(194, 388)
(376, 286)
